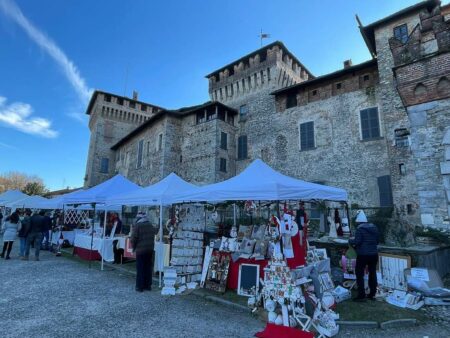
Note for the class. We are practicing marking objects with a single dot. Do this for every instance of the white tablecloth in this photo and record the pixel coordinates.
(162, 252)
(103, 246)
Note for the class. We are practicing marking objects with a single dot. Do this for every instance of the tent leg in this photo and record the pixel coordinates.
(161, 248)
(103, 237)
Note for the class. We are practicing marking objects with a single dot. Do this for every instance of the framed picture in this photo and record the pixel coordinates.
(248, 281)
(245, 231)
(217, 275)
(326, 283)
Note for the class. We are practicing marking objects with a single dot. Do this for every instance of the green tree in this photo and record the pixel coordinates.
(34, 188)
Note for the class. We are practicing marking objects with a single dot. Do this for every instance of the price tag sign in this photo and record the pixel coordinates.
(421, 274)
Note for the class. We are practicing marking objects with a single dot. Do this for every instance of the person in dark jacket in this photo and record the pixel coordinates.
(46, 230)
(23, 232)
(366, 245)
(37, 225)
(143, 241)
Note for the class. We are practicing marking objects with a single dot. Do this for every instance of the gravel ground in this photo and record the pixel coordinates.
(57, 297)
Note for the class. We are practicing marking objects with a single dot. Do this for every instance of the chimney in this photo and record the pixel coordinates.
(347, 63)
(135, 95)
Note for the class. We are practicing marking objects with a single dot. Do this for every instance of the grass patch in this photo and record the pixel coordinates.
(378, 311)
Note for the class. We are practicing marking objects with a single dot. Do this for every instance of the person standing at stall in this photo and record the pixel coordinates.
(366, 244)
(143, 241)
(35, 235)
(23, 232)
(10, 229)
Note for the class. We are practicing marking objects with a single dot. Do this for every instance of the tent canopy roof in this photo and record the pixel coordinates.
(156, 194)
(99, 193)
(260, 182)
(11, 196)
(27, 202)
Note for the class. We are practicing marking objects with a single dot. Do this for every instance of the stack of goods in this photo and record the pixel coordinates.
(279, 289)
(187, 246)
(302, 297)
(170, 277)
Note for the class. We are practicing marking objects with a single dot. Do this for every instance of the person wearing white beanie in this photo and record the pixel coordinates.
(366, 244)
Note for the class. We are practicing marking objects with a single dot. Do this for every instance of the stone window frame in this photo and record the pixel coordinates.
(140, 153)
(300, 135)
(380, 123)
(223, 140)
(104, 165)
(222, 165)
(159, 144)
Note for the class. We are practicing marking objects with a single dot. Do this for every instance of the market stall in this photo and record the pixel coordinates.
(269, 259)
(159, 194)
(97, 239)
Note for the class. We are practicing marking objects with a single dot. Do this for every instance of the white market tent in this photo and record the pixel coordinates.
(160, 194)
(260, 182)
(11, 196)
(57, 202)
(31, 202)
(99, 193)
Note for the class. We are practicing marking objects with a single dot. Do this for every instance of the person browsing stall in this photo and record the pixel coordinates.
(143, 241)
(366, 244)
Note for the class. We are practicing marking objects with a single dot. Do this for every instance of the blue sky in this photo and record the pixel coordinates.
(53, 53)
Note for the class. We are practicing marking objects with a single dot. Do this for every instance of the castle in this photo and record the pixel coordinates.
(379, 129)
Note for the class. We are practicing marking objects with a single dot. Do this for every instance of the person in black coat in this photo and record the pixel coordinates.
(37, 226)
(366, 244)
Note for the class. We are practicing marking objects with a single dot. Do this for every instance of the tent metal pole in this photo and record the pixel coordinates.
(92, 237)
(234, 214)
(103, 236)
(161, 248)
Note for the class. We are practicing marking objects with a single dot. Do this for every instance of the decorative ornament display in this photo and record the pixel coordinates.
(249, 207)
(233, 232)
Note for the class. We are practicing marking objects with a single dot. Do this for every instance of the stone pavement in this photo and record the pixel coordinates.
(59, 297)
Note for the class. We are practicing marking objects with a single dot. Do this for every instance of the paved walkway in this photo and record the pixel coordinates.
(57, 297)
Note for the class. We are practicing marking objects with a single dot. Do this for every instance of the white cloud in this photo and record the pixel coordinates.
(18, 116)
(10, 9)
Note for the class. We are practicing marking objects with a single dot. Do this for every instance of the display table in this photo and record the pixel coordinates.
(100, 247)
(233, 270)
(69, 235)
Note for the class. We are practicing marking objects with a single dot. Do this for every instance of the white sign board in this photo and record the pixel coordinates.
(421, 274)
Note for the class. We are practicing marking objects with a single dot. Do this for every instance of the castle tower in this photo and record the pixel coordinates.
(264, 70)
(422, 73)
(111, 117)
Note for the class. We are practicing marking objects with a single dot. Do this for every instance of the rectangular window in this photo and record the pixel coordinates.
(104, 165)
(291, 100)
(401, 137)
(268, 74)
(132, 104)
(107, 98)
(401, 33)
(160, 141)
(120, 101)
(140, 150)
(148, 148)
(385, 191)
(223, 140)
(307, 136)
(143, 107)
(262, 77)
(223, 165)
(243, 111)
(370, 125)
(242, 147)
(243, 85)
(402, 169)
